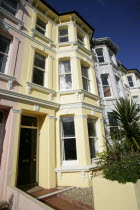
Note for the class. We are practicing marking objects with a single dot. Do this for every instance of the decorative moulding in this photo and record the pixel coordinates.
(31, 86)
(12, 18)
(9, 79)
(41, 36)
(21, 97)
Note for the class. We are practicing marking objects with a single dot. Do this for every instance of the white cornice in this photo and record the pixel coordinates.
(11, 17)
(81, 105)
(21, 97)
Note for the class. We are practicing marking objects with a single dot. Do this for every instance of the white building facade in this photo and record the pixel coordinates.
(113, 79)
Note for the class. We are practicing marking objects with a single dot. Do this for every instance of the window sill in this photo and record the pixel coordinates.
(9, 79)
(34, 32)
(31, 86)
(12, 18)
(73, 168)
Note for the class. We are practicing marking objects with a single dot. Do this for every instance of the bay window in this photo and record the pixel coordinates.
(92, 137)
(63, 35)
(39, 69)
(100, 55)
(41, 26)
(68, 139)
(106, 85)
(130, 81)
(9, 5)
(85, 78)
(65, 75)
(4, 49)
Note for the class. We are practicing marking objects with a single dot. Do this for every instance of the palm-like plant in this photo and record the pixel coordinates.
(127, 114)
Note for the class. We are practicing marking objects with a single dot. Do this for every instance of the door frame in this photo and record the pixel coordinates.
(37, 145)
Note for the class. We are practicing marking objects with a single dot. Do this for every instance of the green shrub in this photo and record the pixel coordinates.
(127, 169)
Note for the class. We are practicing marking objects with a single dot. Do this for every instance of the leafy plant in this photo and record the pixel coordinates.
(127, 114)
(121, 160)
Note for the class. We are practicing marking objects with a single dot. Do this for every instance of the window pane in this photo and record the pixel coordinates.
(85, 84)
(99, 52)
(129, 78)
(63, 32)
(111, 119)
(3, 60)
(131, 84)
(29, 121)
(8, 9)
(92, 148)
(91, 128)
(40, 30)
(1, 117)
(105, 78)
(65, 82)
(80, 37)
(12, 3)
(65, 67)
(4, 44)
(84, 71)
(68, 129)
(39, 61)
(69, 152)
(107, 91)
(41, 23)
(63, 39)
(38, 77)
(101, 59)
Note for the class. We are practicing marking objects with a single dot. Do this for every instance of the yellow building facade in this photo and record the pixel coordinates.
(57, 123)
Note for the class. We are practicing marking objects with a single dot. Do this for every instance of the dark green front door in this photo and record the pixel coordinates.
(27, 157)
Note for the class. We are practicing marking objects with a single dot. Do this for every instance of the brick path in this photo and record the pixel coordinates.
(58, 201)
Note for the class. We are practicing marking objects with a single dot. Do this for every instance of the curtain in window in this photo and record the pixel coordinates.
(65, 75)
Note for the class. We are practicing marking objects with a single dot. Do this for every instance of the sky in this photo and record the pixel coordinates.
(117, 19)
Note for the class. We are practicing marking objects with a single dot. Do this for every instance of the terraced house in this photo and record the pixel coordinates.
(51, 123)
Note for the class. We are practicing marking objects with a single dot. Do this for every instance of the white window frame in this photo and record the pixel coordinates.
(67, 162)
(118, 86)
(130, 81)
(40, 26)
(6, 65)
(40, 69)
(87, 78)
(134, 100)
(100, 55)
(79, 40)
(94, 138)
(111, 126)
(7, 5)
(109, 85)
(63, 74)
(63, 36)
